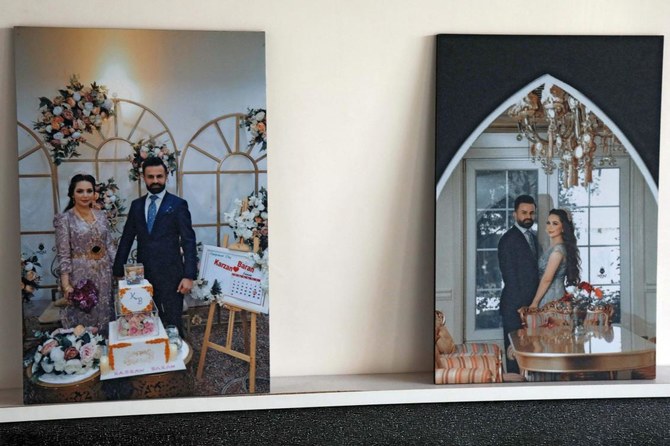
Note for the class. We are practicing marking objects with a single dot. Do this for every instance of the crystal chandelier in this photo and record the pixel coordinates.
(560, 128)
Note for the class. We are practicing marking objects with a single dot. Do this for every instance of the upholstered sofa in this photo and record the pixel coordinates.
(464, 363)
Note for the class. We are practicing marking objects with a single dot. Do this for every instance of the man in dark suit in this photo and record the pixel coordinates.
(161, 222)
(517, 257)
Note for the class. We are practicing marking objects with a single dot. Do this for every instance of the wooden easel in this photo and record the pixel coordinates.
(249, 336)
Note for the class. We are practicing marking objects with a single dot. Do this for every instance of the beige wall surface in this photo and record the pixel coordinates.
(350, 86)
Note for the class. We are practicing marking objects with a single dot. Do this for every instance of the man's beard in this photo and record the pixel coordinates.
(156, 188)
(527, 223)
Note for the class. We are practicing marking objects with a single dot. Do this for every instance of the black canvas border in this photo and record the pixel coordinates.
(476, 73)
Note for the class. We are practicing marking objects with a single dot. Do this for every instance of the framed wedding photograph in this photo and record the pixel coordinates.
(546, 176)
(135, 148)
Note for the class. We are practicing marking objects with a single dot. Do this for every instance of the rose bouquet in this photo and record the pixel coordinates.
(65, 118)
(584, 296)
(147, 149)
(84, 296)
(68, 351)
(255, 121)
(109, 201)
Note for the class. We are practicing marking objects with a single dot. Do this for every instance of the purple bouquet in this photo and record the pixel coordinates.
(84, 296)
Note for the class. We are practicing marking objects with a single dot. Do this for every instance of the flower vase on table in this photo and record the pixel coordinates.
(578, 317)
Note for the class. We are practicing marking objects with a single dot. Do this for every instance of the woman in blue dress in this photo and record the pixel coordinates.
(560, 264)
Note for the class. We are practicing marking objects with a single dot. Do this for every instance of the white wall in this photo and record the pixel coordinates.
(351, 88)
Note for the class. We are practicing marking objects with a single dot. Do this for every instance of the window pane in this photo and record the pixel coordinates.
(496, 191)
(613, 292)
(605, 187)
(490, 227)
(584, 257)
(572, 196)
(604, 268)
(487, 315)
(521, 182)
(488, 271)
(580, 219)
(605, 226)
(491, 189)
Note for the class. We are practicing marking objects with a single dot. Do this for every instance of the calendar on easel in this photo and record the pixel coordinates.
(235, 276)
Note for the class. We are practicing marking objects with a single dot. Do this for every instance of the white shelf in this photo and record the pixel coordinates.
(343, 390)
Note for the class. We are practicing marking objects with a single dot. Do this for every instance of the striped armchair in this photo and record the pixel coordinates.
(464, 363)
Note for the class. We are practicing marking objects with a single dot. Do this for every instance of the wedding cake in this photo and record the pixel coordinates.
(138, 342)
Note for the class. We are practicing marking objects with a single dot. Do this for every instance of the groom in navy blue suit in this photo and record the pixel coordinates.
(161, 222)
(517, 257)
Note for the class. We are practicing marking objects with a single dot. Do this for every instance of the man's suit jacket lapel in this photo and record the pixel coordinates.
(166, 203)
(142, 217)
(522, 240)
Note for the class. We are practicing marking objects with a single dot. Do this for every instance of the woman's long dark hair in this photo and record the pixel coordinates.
(73, 183)
(573, 262)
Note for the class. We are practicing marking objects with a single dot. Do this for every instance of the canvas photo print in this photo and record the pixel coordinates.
(138, 151)
(546, 208)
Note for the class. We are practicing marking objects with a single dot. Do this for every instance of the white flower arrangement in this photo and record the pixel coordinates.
(30, 278)
(75, 111)
(255, 121)
(110, 202)
(247, 224)
(68, 352)
(149, 149)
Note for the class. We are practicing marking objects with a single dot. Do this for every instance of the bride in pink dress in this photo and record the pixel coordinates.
(85, 250)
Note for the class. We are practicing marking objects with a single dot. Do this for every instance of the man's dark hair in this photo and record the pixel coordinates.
(523, 199)
(153, 161)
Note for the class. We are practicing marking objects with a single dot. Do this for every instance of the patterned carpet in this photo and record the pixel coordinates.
(222, 374)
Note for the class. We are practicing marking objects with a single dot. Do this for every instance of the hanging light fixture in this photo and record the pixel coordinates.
(560, 128)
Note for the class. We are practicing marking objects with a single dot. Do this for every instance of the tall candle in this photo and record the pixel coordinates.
(173, 352)
(104, 365)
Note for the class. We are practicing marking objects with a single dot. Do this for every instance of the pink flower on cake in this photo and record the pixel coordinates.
(148, 326)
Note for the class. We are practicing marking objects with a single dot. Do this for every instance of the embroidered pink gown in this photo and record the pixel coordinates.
(86, 251)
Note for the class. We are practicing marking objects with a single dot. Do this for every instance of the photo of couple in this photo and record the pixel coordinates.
(534, 278)
(86, 249)
(546, 210)
(127, 171)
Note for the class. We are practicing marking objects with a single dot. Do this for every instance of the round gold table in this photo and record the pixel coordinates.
(41, 392)
(157, 385)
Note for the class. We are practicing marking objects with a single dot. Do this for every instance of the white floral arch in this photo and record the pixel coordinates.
(104, 155)
(218, 167)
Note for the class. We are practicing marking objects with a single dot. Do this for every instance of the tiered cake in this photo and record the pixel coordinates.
(138, 343)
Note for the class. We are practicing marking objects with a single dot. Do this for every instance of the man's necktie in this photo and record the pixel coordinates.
(531, 241)
(151, 215)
